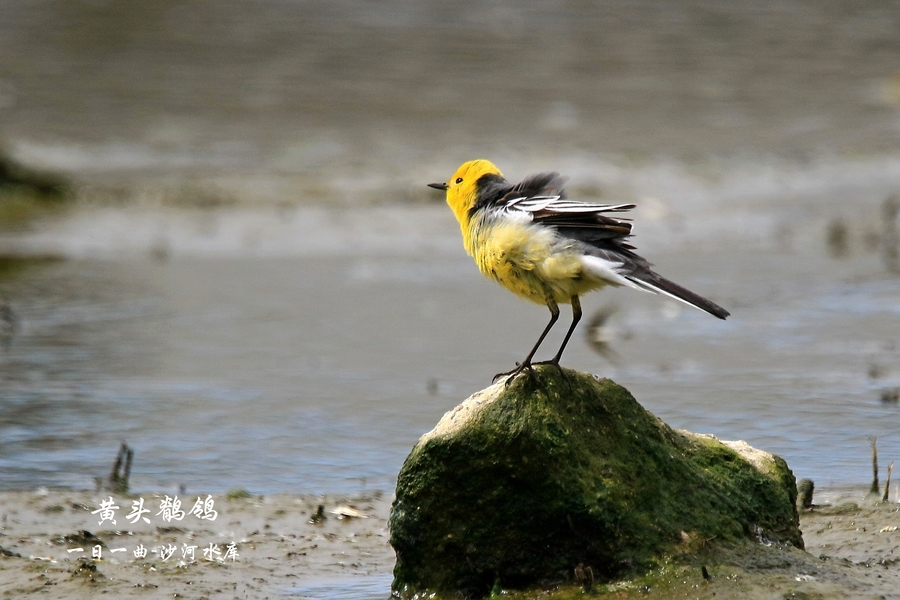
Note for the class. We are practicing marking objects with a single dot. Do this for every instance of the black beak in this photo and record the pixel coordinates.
(439, 186)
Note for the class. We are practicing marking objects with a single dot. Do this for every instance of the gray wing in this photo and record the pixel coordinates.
(603, 239)
(582, 221)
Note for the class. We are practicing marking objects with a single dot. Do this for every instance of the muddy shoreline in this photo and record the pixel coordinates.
(278, 542)
(852, 542)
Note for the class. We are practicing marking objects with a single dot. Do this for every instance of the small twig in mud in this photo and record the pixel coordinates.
(887, 485)
(875, 489)
(836, 238)
(319, 517)
(585, 576)
(890, 240)
(805, 493)
(118, 477)
(890, 395)
(8, 323)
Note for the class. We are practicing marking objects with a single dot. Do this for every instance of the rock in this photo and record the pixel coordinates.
(15, 176)
(518, 486)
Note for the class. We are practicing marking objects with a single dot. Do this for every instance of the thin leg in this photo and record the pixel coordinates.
(576, 316)
(526, 364)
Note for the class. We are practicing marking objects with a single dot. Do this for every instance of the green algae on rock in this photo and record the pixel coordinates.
(518, 485)
(27, 193)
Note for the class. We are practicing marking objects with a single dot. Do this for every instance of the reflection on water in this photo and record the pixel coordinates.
(318, 374)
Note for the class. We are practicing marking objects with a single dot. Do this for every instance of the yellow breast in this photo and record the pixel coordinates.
(528, 260)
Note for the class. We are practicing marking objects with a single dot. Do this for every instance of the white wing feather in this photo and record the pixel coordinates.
(557, 205)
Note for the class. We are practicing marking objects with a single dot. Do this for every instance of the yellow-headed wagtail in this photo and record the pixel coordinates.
(533, 241)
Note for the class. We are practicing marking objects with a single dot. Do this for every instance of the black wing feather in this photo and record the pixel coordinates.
(542, 184)
(600, 235)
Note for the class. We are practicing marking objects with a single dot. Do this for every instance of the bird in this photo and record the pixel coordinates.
(534, 241)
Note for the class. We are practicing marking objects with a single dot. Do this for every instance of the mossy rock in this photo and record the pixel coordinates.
(26, 194)
(520, 484)
(16, 177)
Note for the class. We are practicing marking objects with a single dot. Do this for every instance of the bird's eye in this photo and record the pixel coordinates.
(459, 180)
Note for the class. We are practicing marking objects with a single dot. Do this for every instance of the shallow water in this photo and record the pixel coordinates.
(318, 373)
(358, 588)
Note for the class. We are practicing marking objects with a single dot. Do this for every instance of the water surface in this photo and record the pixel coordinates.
(318, 373)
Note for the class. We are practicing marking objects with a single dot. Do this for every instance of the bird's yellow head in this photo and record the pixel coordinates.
(462, 187)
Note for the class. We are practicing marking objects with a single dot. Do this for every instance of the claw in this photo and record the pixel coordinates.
(553, 362)
(510, 375)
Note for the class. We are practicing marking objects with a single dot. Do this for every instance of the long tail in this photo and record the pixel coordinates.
(650, 281)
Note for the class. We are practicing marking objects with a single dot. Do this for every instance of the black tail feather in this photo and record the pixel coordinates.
(657, 283)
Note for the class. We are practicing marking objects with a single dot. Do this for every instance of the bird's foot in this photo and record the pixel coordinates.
(555, 363)
(510, 375)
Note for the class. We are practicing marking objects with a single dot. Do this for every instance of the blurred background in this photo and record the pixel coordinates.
(216, 242)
